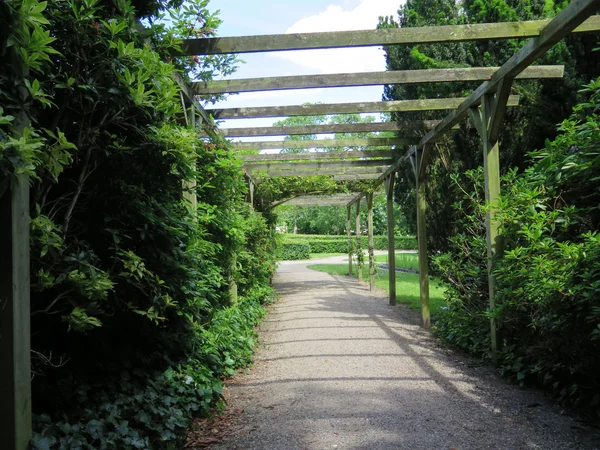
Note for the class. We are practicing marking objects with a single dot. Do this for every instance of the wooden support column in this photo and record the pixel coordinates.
(349, 230)
(389, 192)
(233, 289)
(369, 197)
(359, 265)
(15, 369)
(189, 187)
(251, 192)
(422, 246)
(488, 123)
(15, 326)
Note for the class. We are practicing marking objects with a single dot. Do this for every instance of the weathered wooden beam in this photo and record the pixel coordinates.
(190, 99)
(356, 176)
(316, 156)
(492, 111)
(318, 172)
(421, 76)
(564, 23)
(359, 264)
(15, 377)
(389, 192)
(369, 197)
(366, 38)
(324, 143)
(422, 248)
(371, 127)
(430, 104)
(15, 308)
(320, 164)
(349, 231)
(342, 197)
(312, 203)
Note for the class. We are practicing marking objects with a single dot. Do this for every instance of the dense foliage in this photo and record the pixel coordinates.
(304, 244)
(132, 321)
(548, 303)
(543, 103)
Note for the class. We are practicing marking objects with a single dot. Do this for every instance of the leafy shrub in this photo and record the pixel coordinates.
(548, 297)
(135, 409)
(132, 323)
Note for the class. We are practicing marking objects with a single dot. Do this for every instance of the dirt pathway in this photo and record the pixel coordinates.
(339, 368)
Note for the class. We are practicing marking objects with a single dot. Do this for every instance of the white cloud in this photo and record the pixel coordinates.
(336, 18)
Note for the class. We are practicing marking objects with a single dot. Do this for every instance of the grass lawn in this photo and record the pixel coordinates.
(403, 260)
(407, 285)
(325, 255)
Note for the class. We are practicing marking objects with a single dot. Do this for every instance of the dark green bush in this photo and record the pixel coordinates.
(132, 322)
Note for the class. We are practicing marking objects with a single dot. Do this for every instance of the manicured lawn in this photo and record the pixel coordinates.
(407, 285)
(403, 260)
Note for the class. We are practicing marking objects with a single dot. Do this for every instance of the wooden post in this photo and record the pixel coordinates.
(389, 192)
(189, 187)
(488, 123)
(349, 239)
(15, 325)
(233, 289)
(369, 196)
(359, 265)
(15, 368)
(251, 191)
(422, 248)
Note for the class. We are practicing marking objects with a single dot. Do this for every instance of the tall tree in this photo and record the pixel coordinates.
(543, 103)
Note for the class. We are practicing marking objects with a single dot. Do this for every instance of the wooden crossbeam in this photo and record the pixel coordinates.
(565, 22)
(366, 79)
(431, 104)
(366, 38)
(356, 177)
(371, 127)
(190, 99)
(324, 143)
(321, 200)
(315, 156)
(317, 172)
(313, 203)
(320, 164)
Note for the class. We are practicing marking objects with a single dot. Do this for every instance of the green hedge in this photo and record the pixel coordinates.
(288, 251)
(299, 246)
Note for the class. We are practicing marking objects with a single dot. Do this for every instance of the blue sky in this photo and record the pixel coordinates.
(241, 18)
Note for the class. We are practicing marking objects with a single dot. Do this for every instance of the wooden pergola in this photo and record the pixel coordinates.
(378, 158)
(485, 107)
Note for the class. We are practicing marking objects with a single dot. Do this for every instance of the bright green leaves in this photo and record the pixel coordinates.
(79, 320)
(33, 39)
(20, 156)
(45, 235)
(114, 27)
(57, 154)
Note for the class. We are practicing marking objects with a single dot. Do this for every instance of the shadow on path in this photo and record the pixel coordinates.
(339, 368)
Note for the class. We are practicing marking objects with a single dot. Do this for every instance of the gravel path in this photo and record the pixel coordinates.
(339, 368)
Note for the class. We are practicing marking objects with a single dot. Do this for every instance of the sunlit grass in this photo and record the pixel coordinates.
(403, 260)
(407, 285)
